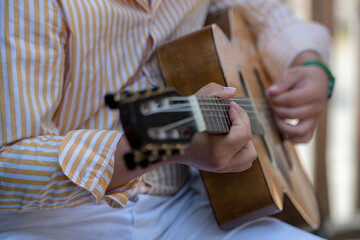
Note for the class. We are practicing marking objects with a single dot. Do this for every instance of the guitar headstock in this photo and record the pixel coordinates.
(158, 123)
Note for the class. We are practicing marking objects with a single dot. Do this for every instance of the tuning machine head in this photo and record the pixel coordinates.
(133, 160)
(152, 153)
(115, 101)
(177, 149)
(112, 101)
(127, 96)
(149, 92)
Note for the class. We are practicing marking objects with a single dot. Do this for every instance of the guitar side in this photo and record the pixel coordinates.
(276, 183)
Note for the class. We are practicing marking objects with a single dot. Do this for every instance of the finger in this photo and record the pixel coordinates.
(240, 131)
(309, 88)
(285, 83)
(239, 168)
(243, 159)
(305, 138)
(300, 133)
(238, 116)
(213, 89)
(300, 112)
(292, 98)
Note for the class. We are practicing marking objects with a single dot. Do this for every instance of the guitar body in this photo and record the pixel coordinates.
(276, 184)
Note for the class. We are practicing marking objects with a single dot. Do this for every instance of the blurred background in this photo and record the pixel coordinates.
(332, 158)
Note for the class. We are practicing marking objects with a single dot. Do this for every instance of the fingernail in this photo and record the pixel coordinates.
(273, 87)
(269, 92)
(230, 89)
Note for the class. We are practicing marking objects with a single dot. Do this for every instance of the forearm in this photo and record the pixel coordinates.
(305, 56)
(48, 172)
(31, 177)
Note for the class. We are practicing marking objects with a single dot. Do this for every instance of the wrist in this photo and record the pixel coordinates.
(312, 58)
(304, 57)
(331, 78)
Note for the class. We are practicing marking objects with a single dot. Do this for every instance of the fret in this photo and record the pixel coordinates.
(217, 112)
(208, 114)
(225, 111)
(224, 108)
(216, 115)
(222, 112)
(212, 114)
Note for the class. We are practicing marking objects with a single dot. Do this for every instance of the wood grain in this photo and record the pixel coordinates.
(276, 183)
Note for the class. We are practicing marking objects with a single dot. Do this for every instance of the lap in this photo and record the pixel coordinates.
(187, 215)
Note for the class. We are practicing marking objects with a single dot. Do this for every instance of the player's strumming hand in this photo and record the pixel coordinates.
(301, 93)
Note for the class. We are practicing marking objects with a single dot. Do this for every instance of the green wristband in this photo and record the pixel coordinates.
(327, 70)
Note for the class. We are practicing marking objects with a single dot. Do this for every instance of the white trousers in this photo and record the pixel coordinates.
(187, 215)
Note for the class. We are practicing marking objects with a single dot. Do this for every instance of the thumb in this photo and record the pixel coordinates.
(227, 93)
(213, 89)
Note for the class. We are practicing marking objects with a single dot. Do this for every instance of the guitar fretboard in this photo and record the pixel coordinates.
(215, 113)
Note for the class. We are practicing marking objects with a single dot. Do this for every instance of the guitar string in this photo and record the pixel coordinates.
(260, 103)
(206, 112)
(214, 98)
(224, 125)
(247, 104)
(264, 107)
(211, 99)
(249, 108)
(185, 107)
(242, 102)
(226, 102)
(222, 113)
(176, 124)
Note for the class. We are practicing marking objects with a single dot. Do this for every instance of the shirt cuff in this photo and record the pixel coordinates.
(87, 159)
(279, 53)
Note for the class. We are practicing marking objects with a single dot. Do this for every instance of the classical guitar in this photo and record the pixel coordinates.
(159, 122)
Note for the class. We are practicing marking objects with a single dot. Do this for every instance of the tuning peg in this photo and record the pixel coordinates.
(130, 160)
(155, 89)
(147, 150)
(144, 163)
(176, 149)
(155, 160)
(125, 94)
(143, 91)
(110, 101)
(163, 150)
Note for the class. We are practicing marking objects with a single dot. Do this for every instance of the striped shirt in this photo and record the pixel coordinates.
(58, 60)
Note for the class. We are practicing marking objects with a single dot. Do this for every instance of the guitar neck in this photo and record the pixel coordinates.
(216, 117)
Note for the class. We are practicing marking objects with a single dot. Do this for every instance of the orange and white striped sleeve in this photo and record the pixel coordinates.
(280, 35)
(40, 168)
